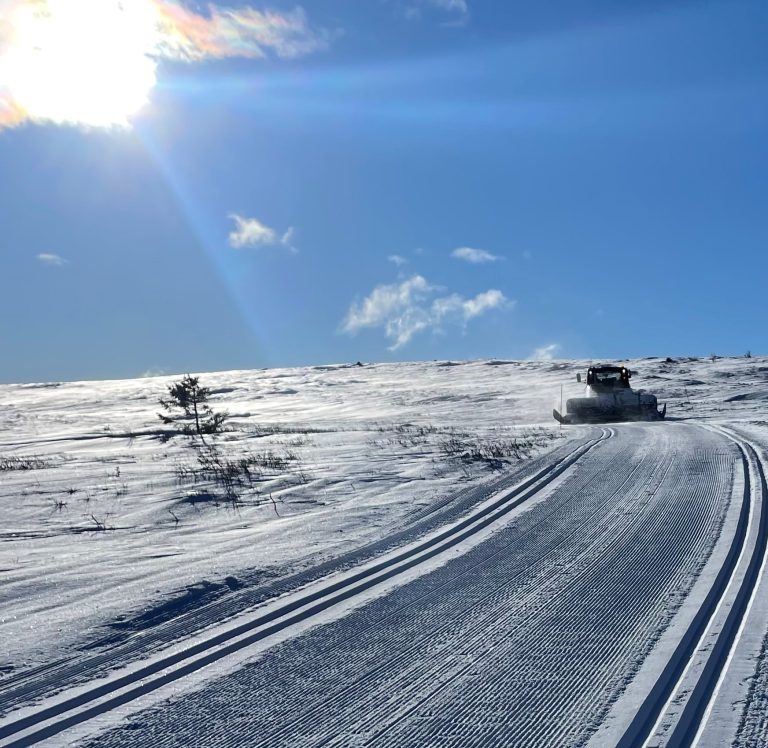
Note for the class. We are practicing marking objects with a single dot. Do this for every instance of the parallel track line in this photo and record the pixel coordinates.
(653, 708)
(123, 689)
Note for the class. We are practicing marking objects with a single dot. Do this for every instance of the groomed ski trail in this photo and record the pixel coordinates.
(113, 687)
(530, 637)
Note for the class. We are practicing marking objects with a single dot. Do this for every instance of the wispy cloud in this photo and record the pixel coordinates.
(93, 63)
(251, 232)
(491, 299)
(545, 352)
(398, 260)
(405, 309)
(227, 32)
(51, 259)
(476, 256)
(459, 9)
(454, 6)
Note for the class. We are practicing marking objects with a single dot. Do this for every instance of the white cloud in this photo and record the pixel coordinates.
(51, 259)
(251, 232)
(408, 308)
(490, 299)
(397, 260)
(545, 352)
(475, 256)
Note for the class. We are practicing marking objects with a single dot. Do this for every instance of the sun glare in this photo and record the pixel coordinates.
(84, 62)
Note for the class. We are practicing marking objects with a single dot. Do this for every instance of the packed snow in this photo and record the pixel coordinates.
(110, 522)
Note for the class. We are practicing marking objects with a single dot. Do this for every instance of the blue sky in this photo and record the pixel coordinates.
(381, 180)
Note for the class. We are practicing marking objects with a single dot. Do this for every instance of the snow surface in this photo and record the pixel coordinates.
(360, 469)
(102, 536)
(523, 640)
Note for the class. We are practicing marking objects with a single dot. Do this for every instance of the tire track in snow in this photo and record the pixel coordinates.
(119, 690)
(525, 640)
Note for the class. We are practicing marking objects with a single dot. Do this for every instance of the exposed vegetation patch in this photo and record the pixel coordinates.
(231, 475)
(13, 462)
(278, 428)
(495, 451)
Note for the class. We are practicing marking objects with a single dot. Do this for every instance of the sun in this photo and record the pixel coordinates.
(80, 62)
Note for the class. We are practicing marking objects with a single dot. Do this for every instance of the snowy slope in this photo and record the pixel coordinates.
(102, 527)
(359, 469)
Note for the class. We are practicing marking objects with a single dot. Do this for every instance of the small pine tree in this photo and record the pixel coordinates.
(191, 399)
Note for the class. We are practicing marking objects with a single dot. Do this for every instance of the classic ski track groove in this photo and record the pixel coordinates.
(25, 687)
(401, 694)
(471, 635)
(549, 736)
(177, 665)
(689, 720)
(458, 657)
